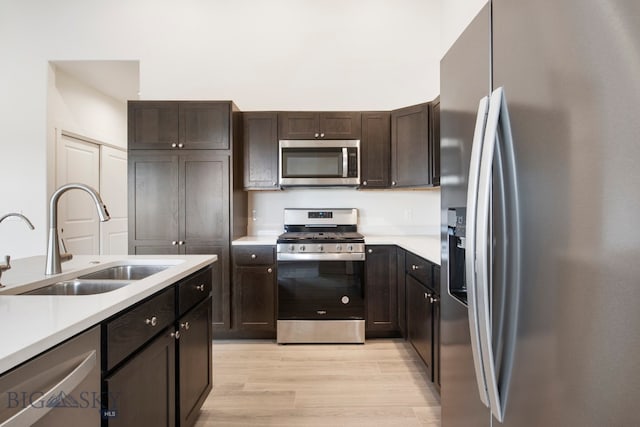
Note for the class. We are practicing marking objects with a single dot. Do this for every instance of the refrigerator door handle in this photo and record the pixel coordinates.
(498, 131)
(470, 250)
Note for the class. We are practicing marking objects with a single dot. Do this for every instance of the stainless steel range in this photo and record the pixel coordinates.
(320, 260)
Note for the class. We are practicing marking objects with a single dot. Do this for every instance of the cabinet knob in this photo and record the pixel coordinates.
(414, 267)
(174, 145)
(152, 322)
(393, 183)
(316, 135)
(370, 251)
(364, 183)
(181, 242)
(175, 335)
(185, 325)
(200, 287)
(254, 256)
(427, 295)
(275, 183)
(269, 270)
(322, 135)
(174, 242)
(180, 145)
(435, 299)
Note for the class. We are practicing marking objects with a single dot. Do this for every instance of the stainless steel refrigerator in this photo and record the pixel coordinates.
(540, 188)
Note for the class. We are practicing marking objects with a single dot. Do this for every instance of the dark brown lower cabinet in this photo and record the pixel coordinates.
(381, 291)
(254, 292)
(158, 365)
(142, 391)
(402, 292)
(420, 321)
(195, 374)
(436, 328)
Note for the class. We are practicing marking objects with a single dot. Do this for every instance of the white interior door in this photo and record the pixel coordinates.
(113, 189)
(78, 224)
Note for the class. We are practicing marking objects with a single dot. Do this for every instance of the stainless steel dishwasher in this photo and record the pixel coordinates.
(60, 387)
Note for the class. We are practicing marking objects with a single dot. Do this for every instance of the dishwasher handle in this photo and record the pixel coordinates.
(40, 407)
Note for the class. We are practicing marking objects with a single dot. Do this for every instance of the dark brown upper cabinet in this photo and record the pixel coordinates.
(319, 125)
(166, 125)
(410, 156)
(375, 150)
(434, 142)
(260, 142)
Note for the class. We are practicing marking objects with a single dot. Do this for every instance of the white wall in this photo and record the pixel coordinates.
(80, 109)
(278, 54)
(456, 15)
(380, 212)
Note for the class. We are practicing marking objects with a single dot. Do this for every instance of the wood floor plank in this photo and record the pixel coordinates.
(261, 383)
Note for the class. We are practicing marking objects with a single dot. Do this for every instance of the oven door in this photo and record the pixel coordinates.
(320, 290)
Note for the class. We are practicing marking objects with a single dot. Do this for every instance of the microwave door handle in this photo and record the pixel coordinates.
(345, 162)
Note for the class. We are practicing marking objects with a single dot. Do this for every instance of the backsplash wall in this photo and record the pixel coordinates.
(380, 212)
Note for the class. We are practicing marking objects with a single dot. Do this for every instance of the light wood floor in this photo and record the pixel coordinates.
(260, 383)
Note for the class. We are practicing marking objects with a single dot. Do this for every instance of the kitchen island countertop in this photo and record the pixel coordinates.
(31, 324)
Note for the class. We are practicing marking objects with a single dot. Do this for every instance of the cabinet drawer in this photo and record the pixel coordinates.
(419, 268)
(129, 331)
(253, 255)
(194, 289)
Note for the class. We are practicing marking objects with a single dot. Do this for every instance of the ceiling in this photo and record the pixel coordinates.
(118, 79)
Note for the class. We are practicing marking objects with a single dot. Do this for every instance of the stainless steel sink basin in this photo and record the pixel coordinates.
(80, 287)
(125, 272)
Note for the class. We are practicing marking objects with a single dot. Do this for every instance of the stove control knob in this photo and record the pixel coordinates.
(320, 248)
(338, 248)
(301, 248)
(292, 248)
(350, 248)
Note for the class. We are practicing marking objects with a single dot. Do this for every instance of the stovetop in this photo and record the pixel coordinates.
(319, 237)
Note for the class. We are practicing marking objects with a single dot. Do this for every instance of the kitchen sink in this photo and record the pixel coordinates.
(80, 287)
(125, 272)
(101, 281)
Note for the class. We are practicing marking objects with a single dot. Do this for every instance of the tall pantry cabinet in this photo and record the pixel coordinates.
(185, 185)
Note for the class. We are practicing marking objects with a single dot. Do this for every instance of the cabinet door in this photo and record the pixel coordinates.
(381, 289)
(204, 197)
(220, 287)
(340, 125)
(410, 146)
(255, 298)
(434, 142)
(260, 150)
(195, 375)
(436, 327)
(298, 125)
(205, 125)
(375, 150)
(402, 292)
(419, 321)
(153, 202)
(142, 392)
(152, 125)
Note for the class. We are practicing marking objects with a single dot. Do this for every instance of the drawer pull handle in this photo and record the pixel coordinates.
(153, 321)
(415, 267)
(185, 325)
(254, 256)
(200, 288)
(175, 335)
(269, 270)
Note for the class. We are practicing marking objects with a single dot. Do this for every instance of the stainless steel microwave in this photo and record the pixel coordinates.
(319, 163)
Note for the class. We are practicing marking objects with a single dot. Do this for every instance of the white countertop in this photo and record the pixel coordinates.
(31, 324)
(427, 246)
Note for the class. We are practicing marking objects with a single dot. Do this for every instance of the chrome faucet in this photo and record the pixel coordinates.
(7, 259)
(54, 258)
